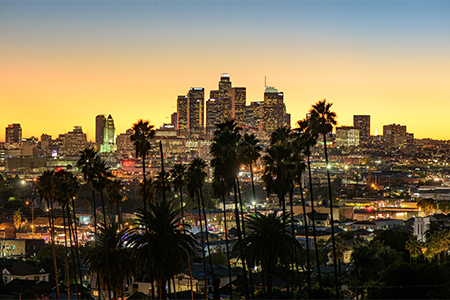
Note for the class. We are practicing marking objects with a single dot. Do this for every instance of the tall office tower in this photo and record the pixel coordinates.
(224, 86)
(255, 115)
(213, 115)
(75, 141)
(195, 111)
(13, 133)
(237, 97)
(173, 120)
(363, 123)
(347, 136)
(182, 105)
(274, 110)
(214, 94)
(100, 123)
(123, 141)
(109, 137)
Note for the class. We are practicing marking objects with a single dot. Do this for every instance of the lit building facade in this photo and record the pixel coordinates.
(274, 110)
(13, 133)
(237, 96)
(213, 115)
(363, 123)
(75, 141)
(182, 106)
(100, 123)
(347, 136)
(195, 111)
(109, 137)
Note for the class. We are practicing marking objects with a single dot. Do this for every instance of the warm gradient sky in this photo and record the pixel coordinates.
(62, 62)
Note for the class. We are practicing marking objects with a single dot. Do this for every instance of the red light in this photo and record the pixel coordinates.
(128, 163)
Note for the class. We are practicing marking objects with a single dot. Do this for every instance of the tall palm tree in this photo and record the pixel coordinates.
(87, 163)
(196, 180)
(249, 152)
(299, 166)
(308, 138)
(268, 244)
(162, 183)
(62, 197)
(226, 165)
(46, 190)
(100, 178)
(164, 248)
(323, 120)
(143, 133)
(113, 191)
(116, 264)
(178, 175)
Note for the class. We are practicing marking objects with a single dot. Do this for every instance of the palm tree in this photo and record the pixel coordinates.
(268, 244)
(178, 174)
(164, 248)
(100, 178)
(414, 247)
(249, 152)
(226, 165)
(323, 120)
(113, 191)
(196, 180)
(143, 133)
(115, 265)
(308, 138)
(46, 190)
(87, 165)
(162, 183)
(298, 147)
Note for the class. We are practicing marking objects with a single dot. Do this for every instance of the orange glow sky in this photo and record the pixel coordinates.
(61, 64)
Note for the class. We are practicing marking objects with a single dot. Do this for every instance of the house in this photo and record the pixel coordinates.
(20, 247)
(366, 225)
(320, 219)
(22, 271)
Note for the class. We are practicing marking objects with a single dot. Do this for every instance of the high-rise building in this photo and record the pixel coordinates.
(100, 123)
(254, 116)
(109, 137)
(363, 123)
(274, 110)
(124, 142)
(396, 135)
(195, 111)
(347, 136)
(13, 133)
(182, 106)
(75, 141)
(237, 96)
(213, 115)
(224, 86)
(173, 120)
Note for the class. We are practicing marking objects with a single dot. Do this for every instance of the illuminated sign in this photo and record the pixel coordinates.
(128, 163)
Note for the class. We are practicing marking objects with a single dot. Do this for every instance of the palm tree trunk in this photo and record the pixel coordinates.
(72, 254)
(244, 234)
(330, 195)
(95, 237)
(305, 221)
(238, 227)
(76, 240)
(216, 294)
(253, 184)
(226, 236)
(162, 172)
(52, 236)
(291, 196)
(108, 285)
(203, 244)
(314, 223)
(190, 275)
(181, 204)
(119, 219)
(144, 194)
(103, 207)
(65, 252)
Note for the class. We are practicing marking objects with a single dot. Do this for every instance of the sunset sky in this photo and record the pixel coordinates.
(62, 63)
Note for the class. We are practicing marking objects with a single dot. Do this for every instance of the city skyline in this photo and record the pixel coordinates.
(132, 60)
